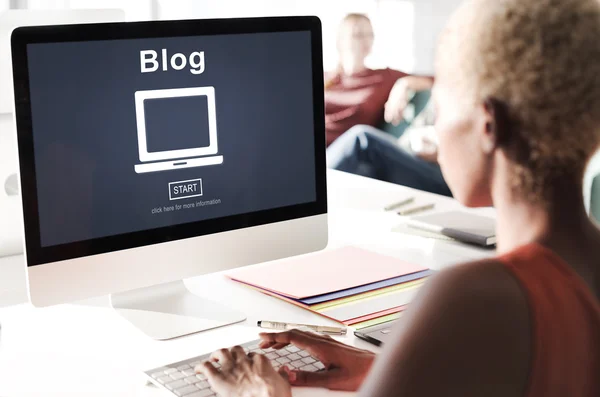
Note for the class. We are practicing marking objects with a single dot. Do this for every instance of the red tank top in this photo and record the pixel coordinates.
(565, 324)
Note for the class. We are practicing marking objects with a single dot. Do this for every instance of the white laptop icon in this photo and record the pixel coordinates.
(160, 148)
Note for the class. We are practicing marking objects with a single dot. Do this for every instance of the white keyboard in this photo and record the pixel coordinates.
(180, 379)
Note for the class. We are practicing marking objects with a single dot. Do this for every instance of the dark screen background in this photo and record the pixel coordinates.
(85, 134)
(176, 123)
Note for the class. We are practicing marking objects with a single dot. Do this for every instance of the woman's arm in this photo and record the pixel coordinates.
(418, 83)
(467, 335)
(400, 95)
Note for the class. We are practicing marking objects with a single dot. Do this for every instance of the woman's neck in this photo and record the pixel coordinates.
(563, 223)
(351, 67)
(564, 227)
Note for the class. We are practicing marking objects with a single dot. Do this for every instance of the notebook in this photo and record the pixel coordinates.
(461, 226)
(323, 273)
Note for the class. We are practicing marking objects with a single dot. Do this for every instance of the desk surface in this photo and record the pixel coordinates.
(87, 349)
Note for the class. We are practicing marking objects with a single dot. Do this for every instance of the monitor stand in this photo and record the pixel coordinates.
(170, 310)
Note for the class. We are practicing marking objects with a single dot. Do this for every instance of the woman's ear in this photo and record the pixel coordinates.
(496, 124)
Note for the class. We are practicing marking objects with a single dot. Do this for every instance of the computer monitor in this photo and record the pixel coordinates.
(152, 152)
(10, 207)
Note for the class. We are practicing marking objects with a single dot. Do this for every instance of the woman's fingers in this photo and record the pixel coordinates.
(284, 372)
(315, 344)
(222, 356)
(279, 346)
(394, 111)
(241, 373)
(387, 114)
(298, 338)
(313, 379)
(215, 378)
(209, 370)
(238, 353)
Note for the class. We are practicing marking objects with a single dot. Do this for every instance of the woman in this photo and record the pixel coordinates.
(355, 94)
(517, 95)
(357, 99)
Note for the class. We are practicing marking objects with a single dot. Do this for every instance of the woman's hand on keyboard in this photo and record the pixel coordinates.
(243, 375)
(346, 367)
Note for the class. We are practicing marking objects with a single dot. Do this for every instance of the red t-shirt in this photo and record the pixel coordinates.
(356, 99)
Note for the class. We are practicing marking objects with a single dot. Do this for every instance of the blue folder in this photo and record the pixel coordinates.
(313, 300)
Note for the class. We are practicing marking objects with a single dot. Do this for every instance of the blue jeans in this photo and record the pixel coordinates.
(366, 151)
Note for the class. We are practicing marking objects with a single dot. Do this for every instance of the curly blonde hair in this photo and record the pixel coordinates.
(541, 60)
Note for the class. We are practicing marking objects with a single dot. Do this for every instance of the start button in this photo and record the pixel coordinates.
(185, 189)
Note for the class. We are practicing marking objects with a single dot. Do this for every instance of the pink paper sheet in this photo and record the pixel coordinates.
(375, 315)
(324, 272)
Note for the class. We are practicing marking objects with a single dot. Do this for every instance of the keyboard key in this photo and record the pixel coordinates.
(192, 379)
(319, 365)
(297, 364)
(308, 360)
(202, 384)
(294, 357)
(304, 353)
(272, 356)
(195, 364)
(170, 371)
(177, 375)
(253, 347)
(201, 376)
(176, 384)
(164, 379)
(292, 349)
(182, 367)
(159, 372)
(283, 360)
(189, 372)
(189, 389)
(309, 368)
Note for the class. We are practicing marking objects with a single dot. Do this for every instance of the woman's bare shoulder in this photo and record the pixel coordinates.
(483, 316)
(470, 326)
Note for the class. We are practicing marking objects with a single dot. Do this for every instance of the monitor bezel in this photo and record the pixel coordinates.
(21, 37)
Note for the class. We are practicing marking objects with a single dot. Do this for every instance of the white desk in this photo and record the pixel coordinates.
(86, 349)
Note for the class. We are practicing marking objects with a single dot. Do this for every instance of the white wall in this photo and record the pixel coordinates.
(10, 207)
(392, 20)
(8, 147)
(430, 18)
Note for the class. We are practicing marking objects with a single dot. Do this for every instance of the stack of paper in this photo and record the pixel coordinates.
(349, 285)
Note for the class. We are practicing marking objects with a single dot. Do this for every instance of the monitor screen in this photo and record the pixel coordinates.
(142, 134)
